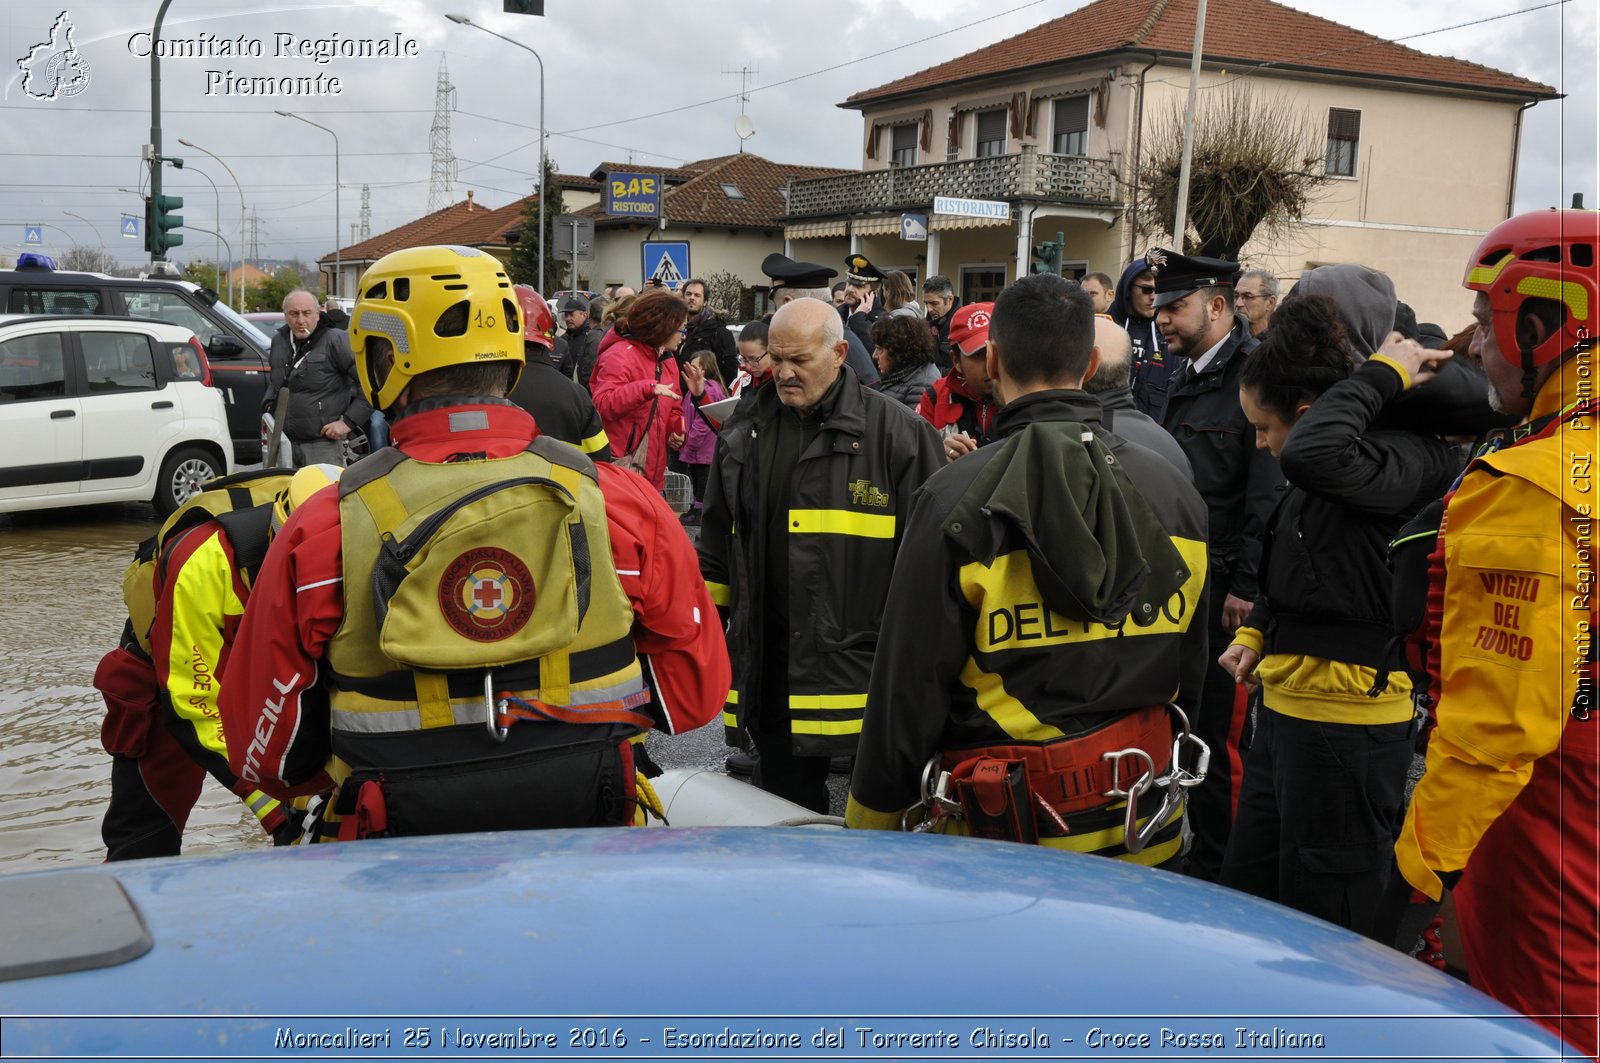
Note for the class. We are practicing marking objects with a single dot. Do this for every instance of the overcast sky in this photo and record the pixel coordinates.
(610, 68)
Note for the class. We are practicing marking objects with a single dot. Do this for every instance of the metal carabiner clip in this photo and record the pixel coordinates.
(935, 790)
(1137, 789)
(492, 709)
(1202, 761)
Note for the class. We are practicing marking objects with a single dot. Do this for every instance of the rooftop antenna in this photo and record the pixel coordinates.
(743, 125)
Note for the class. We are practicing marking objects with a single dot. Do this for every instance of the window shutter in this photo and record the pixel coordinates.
(1343, 124)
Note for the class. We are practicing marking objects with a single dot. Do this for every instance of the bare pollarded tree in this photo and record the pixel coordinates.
(1257, 164)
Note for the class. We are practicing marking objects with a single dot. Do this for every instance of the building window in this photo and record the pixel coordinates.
(991, 133)
(980, 284)
(1071, 127)
(1344, 138)
(903, 145)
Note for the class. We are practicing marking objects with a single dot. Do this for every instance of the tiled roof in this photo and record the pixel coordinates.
(700, 199)
(673, 175)
(440, 227)
(1250, 31)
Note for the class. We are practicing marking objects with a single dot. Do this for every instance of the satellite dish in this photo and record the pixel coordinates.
(744, 127)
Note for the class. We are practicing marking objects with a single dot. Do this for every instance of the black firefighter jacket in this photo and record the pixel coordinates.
(321, 374)
(850, 496)
(1040, 593)
(1241, 484)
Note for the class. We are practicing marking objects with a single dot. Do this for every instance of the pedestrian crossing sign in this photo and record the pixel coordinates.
(32, 236)
(130, 226)
(666, 261)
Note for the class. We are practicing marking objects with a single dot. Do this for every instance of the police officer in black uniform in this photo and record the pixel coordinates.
(1208, 343)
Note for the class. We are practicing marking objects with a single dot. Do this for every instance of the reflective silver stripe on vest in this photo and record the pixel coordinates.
(463, 711)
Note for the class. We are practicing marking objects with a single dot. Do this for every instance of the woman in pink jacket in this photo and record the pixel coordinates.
(635, 383)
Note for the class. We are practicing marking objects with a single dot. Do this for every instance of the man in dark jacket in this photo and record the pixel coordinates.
(1134, 309)
(1048, 605)
(1241, 485)
(939, 297)
(863, 302)
(583, 336)
(1110, 384)
(312, 359)
(816, 472)
(707, 331)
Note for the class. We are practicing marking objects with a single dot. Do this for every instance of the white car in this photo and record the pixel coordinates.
(105, 409)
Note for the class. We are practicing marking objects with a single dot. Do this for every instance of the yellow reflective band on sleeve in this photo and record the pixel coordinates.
(730, 720)
(828, 701)
(1570, 293)
(595, 442)
(721, 593)
(841, 522)
(1012, 614)
(732, 698)
(844, 713)
(825, 727)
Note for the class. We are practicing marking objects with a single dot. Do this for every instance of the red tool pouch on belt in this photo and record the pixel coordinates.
(127, 682)
(995, 799)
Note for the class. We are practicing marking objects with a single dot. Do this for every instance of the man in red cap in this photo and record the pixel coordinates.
(961, 405)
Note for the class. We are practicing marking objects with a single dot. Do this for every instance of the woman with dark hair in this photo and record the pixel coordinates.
(903, 352)
(635, 383)
(1321, 801)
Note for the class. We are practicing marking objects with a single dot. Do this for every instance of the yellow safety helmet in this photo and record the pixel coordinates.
(302, 485)
(438, 306)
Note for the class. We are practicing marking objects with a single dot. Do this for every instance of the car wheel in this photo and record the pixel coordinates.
(182, 476)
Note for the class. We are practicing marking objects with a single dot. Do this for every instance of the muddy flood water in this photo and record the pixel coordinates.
(60, 611)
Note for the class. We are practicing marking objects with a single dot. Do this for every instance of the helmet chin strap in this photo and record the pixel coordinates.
(1529, 374)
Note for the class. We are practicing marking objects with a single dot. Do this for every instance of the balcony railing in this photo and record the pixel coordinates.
(1024, 175)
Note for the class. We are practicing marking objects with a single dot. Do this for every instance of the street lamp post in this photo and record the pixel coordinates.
(213, 232)
(463, 20)
(336, 226)
(97, 238)
(240, 190)
(217, 196)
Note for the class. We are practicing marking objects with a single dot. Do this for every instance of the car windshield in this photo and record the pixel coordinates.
(231, 316)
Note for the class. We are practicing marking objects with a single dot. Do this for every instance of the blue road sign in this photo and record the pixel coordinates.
(130, 226)
(666, 261)
(33, 235)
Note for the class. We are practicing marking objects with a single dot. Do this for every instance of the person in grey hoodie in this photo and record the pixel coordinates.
(1453, 403)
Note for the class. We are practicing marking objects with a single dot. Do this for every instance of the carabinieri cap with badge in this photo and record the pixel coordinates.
(858, 270)
(1180, 275)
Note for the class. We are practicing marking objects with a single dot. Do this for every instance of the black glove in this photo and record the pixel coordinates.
(291, 829)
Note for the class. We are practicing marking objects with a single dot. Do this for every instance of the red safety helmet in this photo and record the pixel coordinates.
(1545, 254)
(538, 323)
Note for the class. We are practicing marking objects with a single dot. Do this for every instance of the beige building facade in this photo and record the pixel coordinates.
(1053, 123)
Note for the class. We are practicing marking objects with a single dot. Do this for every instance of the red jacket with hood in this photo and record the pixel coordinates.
(623, 384)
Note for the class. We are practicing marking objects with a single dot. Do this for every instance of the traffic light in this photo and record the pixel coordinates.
(1047, 256)
(524, 7)
(159, 221)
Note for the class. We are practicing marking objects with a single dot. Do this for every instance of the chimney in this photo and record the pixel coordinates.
(469, 199)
